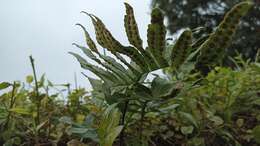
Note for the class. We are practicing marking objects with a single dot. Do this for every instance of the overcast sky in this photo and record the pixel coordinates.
(46, 29)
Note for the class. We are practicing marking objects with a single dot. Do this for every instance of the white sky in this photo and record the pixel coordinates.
(45, 29)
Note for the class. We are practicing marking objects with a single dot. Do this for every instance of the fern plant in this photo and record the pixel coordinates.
(124, 82)
(120, 75)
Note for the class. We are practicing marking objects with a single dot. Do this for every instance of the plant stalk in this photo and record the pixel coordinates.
(37, 91)
(122, 134)
(142, 122)
(11, 104)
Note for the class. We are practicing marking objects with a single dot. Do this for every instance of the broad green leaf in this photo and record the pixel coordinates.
(108, 128)
(84, 132)
(4, 85)
(140, 91)
(162, 88)
(112, 135)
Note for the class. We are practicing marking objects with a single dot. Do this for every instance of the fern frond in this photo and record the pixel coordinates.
(156, 34)
(181, 49)
(213, 49)
(91, 44)
(131, 28)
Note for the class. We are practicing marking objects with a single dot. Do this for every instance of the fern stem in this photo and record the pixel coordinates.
(142, 122)
(122, 134)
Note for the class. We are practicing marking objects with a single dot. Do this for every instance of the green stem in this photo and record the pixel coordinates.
(122, 134)
(142, 122)
(11, 104)
(37, 92)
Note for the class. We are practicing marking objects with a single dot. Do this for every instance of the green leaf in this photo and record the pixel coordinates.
(13, 141)
(162, 88)
(130, 67)
(156, 35)
(256, 102)
(100, 32)
(256, 133)
(196, 141)
(106, 76)
(135, 56)
(132, 28)
(66, 120)
(112, 135)
(89, 41)
(29, 79)
(189, 117)
(181, 49)
(51, 84)
(111, 61)
(140, 91)
(84, 132)
(20, 110)
(217, 120)
(134, 37)
(4, 85)
(75, 142)
(42, 80)
(119, 89)
(170, 107)
(41, 125)
(96, 84)
(108, 128)
(106, 40)
(120, 75)
(187, 130)
(240, 122)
